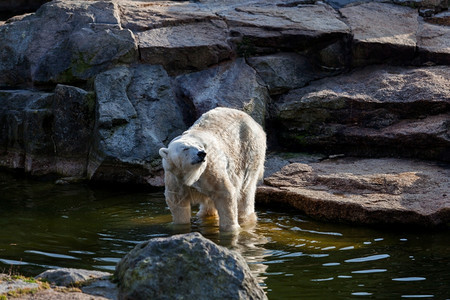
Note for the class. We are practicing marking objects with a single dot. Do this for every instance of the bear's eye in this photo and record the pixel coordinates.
(185, 149)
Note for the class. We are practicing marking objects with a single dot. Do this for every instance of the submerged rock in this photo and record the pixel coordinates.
(364, 191)
(185, 266)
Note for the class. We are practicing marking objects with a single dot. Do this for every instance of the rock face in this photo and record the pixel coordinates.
(364, 191)
(185, 266)
(136, 115)
(161, 45)
(236, 85)
(64, 42)
(46, 133)
(92, 89)
(389, 33)
(390, 111)
(373, 40)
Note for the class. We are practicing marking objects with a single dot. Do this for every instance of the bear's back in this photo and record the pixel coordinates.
(234, 132)
(222, 119)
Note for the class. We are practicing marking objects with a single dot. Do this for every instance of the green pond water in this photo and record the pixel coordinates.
(43, 225)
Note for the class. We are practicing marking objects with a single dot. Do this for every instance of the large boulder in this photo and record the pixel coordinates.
(382, 32)
(264, 28)
(233, 84)
(433, 42)
(375, 111)
(364, 191)
(64, 42)
(45, 133)
(175, 49)
(388, 33)
(136, 115)
(185, 266)
(284, 71)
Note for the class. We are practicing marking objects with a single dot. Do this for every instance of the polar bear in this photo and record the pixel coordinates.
(215, 163)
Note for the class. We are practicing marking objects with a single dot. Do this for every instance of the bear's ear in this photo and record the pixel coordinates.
(164, 153)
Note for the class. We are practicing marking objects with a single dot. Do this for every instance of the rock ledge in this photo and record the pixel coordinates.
(364, 191)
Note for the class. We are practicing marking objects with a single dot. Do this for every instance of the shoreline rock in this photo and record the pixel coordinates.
(188, 266)
(60, 284)
(184, 265)
(380, 192)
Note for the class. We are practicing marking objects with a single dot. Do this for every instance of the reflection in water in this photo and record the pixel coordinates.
(47, 226)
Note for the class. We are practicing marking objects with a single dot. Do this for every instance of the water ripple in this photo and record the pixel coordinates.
(316, 232)
(362, 294)
(54, 255)
(369, 271)
(13, 262)
(323, 279)
(368, 258)
(409, 279)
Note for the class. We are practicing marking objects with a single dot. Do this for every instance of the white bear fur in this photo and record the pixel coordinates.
(225, 182)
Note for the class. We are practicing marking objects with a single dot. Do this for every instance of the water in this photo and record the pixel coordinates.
(43, 225)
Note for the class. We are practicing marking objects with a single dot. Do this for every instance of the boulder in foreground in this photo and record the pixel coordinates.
(185, 266)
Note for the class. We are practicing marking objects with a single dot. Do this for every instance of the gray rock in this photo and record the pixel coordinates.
(382, 33)
(433, 43)
(101, 287)
(64, 42)
(73, 124)
(184, 47)
(275, 161)
(140, 17)
(232, 84)
(364, 191)
(285, 71)
(440, 19)
(71, 277)
(263, 28)
(8, 284)
(136, 115)
(45, 133)
(185, 267)
(24, 133)
(375, 111)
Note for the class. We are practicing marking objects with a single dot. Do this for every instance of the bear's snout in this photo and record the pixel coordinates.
(201, 154)
(199, 158)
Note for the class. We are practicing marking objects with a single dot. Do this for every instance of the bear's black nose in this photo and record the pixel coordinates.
(201, 154)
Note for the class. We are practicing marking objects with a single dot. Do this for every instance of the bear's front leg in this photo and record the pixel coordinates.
(226, 205)
(180, 206)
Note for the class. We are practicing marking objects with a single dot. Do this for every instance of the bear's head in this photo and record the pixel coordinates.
(185, 157)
